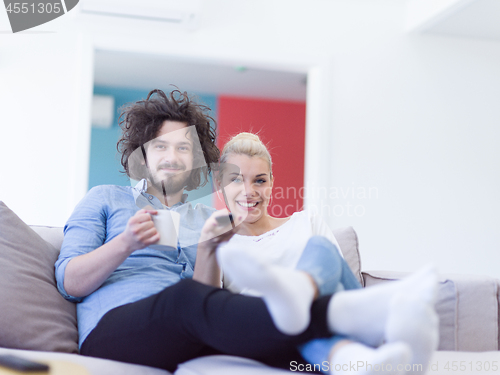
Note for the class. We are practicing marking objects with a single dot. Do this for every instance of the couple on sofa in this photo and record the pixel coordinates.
(294, 303)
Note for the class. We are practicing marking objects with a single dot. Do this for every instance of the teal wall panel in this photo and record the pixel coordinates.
(105, 163)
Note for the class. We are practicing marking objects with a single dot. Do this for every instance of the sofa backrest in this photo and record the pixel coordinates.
(53, 235)
(346, 237)
(467, 306)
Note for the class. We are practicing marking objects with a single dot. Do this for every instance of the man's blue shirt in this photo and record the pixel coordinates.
(102, 215)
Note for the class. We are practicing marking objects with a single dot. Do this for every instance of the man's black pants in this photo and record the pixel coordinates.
(189, 320)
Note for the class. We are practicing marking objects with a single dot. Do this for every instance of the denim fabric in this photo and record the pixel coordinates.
(102, 215)
(317, 351)
(321, 260)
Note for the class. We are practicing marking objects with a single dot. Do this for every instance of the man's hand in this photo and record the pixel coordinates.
(86, 273)
(141, 231)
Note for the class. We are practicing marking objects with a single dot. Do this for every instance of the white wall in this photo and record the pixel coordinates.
(418, 120)
(45, 91)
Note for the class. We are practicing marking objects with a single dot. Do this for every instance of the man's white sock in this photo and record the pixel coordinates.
(355, 358)
(288, 293)
(413, 319)
(362, 313)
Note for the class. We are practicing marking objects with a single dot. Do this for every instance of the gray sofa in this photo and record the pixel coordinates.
(35, 322)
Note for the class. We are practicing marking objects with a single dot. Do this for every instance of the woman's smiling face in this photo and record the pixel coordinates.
(247, 188)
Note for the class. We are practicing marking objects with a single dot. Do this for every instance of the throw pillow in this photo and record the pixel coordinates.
(33, 315)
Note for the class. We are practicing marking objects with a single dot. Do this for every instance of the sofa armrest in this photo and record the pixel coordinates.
(467, 307)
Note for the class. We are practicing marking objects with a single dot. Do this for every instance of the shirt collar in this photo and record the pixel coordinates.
(140, 190)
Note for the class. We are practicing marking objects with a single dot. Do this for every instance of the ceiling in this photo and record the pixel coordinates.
(462, 18)
(466, 18)
(153, 71)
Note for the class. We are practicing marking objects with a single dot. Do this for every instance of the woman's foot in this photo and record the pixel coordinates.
(287, 293)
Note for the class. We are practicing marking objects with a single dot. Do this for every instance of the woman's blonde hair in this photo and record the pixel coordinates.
(247, 144)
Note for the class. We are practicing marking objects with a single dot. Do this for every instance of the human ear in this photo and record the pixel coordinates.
(217, 182)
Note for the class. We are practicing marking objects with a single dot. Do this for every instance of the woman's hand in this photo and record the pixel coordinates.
(215, 231)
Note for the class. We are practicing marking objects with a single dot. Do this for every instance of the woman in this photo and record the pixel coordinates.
(262, 259)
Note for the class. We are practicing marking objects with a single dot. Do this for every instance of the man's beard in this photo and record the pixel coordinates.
(171, 184)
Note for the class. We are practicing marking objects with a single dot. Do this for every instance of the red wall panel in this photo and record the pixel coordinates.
(281, 126)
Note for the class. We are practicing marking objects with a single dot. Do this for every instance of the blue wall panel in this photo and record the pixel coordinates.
(105, 164)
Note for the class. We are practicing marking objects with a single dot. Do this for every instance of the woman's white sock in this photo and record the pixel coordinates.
(288, 293)
(355, 358)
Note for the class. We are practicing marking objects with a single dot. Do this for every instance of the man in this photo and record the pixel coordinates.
(141, 122)
(138, 304)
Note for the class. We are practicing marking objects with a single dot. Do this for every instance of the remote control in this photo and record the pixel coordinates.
(22, 364)
(223, 219)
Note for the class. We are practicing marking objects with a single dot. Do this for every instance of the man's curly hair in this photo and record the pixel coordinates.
(141, 121)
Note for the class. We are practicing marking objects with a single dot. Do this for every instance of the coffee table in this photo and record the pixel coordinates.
(56, 368)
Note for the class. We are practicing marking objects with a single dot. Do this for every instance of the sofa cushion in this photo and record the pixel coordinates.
(467, 307)
(348, 242)
(463, 363)
(445, 305)
(33, 315)
(227, 365)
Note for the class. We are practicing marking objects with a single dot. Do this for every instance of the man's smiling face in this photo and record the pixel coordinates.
(170, 157)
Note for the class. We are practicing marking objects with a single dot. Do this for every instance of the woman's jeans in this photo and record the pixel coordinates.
(322, 261)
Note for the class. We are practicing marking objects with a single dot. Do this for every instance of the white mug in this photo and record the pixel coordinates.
(167, 223)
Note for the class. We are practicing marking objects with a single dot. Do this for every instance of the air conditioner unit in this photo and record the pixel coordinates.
(103, 111)
(184, 13)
